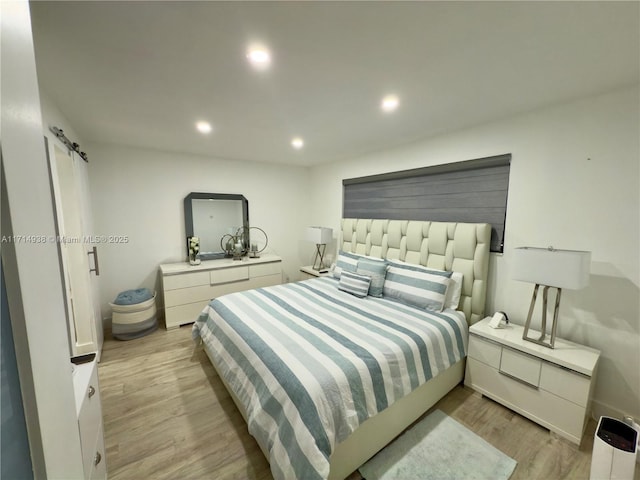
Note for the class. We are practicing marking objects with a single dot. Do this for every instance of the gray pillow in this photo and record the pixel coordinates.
(377, 270)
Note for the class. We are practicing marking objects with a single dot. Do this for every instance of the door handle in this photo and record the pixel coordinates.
(94, 252)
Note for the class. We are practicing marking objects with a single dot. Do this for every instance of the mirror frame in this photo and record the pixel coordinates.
(188, 217)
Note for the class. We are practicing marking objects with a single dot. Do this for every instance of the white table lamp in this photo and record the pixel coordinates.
(550, 268)
(320, 236)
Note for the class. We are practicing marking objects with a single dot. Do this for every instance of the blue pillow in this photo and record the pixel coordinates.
(354, 284)
(377, 270)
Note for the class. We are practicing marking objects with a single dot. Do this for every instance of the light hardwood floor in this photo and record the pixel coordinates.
(168, 416)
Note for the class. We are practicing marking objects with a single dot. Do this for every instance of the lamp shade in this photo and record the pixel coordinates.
(319, 235)
(555, 268)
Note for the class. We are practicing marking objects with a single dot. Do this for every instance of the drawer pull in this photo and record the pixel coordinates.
(97, 459)
(92, 391)
(518, 380)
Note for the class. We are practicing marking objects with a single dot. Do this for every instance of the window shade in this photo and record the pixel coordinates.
(470, 191)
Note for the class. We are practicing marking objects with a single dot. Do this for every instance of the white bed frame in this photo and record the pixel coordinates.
(460, 247)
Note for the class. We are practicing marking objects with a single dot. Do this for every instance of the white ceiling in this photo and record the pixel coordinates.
(142, 73)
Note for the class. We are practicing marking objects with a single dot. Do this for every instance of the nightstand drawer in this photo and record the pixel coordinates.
(566, 384)
(484, 351)
(564, 417)
(521, 366)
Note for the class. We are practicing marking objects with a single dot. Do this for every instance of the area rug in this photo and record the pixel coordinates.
(438, 448)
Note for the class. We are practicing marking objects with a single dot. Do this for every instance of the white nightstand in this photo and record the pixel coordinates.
(308, 272)
(552, 387)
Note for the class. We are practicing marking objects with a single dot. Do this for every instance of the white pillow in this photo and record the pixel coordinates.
(416, 285)
(454, 291)
(347, 262)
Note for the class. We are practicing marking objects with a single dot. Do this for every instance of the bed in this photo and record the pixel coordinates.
(326, 377)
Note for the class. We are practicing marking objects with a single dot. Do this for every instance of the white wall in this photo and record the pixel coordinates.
(139, 194)
(53, 117)
(575, 184)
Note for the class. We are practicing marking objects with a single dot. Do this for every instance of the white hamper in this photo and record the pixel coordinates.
(134, 314)
(614, 450)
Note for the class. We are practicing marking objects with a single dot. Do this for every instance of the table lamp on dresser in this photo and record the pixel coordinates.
(550, 268)
(320, 236)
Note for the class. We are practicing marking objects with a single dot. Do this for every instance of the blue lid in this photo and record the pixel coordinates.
(133, 297)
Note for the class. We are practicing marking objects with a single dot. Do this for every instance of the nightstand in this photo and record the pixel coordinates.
(308, 272)
(552, 387)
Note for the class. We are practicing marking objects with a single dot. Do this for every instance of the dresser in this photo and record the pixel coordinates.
(552, 387)
(188, 288)
(89, 411)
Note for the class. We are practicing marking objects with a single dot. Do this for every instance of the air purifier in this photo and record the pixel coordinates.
(614, 450)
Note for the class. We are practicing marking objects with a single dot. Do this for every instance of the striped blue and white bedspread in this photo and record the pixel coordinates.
(310, 363)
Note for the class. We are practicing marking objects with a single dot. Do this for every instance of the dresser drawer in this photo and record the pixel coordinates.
(228, 275)
(99, 464)
(183, 296)
(521, 366)
(185, 280)
(264, 269)
(181, 314)
(266, 280)
(485, 351)
(566, 384)
(90, 421)
(187, 311)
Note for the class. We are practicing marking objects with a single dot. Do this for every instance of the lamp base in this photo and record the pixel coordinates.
(319, 258)
(541, 340)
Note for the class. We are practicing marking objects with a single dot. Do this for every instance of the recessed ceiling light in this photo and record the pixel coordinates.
(259, 57)
(297, 143)
(204, 127)
(390, 103)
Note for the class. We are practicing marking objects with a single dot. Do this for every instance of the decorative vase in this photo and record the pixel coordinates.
(194, 250)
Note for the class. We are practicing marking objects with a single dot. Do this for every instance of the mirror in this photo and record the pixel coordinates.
(210, 216)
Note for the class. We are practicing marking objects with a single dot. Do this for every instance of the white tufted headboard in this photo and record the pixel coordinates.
(459, 247)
